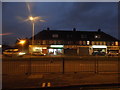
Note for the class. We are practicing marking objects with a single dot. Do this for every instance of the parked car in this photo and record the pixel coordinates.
(113, 53)
(13, 52)
(38, 54)
(98, 53)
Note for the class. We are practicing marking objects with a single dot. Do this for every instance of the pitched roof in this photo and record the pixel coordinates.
(74, 35)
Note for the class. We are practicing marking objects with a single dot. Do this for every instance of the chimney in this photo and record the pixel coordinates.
(48, 28)
(99, 30)
(74, 29)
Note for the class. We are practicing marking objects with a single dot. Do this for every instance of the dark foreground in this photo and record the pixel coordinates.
(52, 72)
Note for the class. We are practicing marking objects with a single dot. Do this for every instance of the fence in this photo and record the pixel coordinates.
(60, 65)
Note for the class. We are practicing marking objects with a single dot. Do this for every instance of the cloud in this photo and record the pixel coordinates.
(60, 15)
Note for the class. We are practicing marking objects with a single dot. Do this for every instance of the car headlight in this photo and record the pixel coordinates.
(21, 53)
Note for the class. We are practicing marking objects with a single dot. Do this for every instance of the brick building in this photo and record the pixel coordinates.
(73, 42)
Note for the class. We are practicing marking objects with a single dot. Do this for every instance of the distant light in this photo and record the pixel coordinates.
(21, 53)
(99, 46)
(60, 46)
(0, 46)
(22, 41)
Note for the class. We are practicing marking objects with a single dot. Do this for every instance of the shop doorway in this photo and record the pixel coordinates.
(55, 51)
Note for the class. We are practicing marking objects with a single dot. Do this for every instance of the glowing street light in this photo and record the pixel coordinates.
(33, 20)
(22, 42)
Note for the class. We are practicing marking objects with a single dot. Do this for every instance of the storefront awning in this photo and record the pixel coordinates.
(56, 46)
(99, 46)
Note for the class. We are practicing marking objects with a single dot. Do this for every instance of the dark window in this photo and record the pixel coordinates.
(69, 36)
(55, 35)
(83, 36)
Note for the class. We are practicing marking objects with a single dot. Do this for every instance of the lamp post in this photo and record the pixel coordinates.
(33, 20)
(33, 28)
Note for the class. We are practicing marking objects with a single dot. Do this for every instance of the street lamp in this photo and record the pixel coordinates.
(22, 42)
(33, 28)
(33, 20)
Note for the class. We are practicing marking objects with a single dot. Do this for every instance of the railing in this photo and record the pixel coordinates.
(61, 65)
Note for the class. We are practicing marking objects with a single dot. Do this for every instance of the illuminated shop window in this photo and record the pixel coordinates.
(104, 43)
(88, 42)
(97, 36)
(93, 43)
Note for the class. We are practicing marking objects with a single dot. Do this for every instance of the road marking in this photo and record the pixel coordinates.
(46, 84)
(43, 84)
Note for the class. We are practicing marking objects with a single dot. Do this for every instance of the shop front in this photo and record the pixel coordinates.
(38, 48)
(98, 49)
(55, 50)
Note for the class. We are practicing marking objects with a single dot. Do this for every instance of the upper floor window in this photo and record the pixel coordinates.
(83, 36)
(97, 36)
(69, 36)
(55, 35)
(88, 42)
(116, 43)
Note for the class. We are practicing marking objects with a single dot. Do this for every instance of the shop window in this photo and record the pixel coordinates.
(58, 42)
(55, 42)
(43, 42)
(51, 42)
(108, 43)
(39, 42)
(77, 42)
(84, 42)
(70, 42)
(55, 35)
(112, 43)
(80, 42)
(93, 43)
(104, 43)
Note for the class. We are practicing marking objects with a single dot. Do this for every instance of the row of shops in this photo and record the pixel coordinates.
(71, 49)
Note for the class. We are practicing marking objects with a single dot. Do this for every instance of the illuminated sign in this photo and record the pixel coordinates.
(55, 46)
(99, 46)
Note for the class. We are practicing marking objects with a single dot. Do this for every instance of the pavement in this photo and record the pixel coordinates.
(39, 80)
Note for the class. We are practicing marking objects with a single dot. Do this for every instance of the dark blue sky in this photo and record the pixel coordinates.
(58, 16)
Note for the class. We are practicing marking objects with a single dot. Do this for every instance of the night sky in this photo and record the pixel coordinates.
(58, 16)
